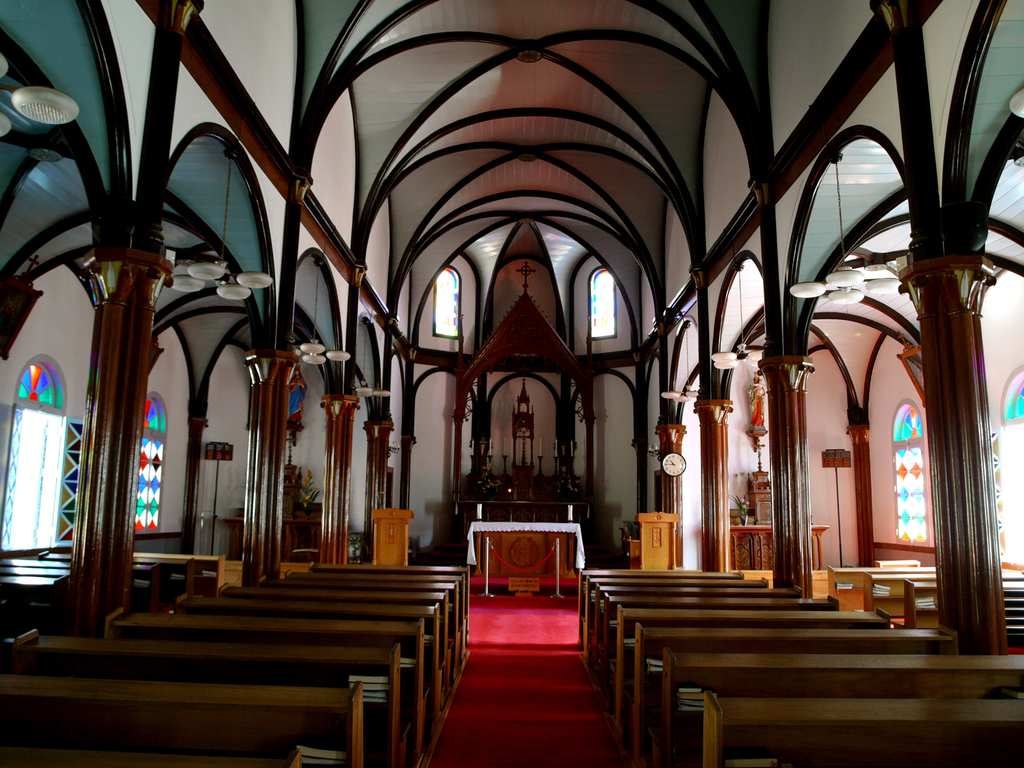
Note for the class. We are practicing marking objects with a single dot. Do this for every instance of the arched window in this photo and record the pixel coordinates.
(36, 464)
(1008, 452)
(602, 304)
(446, 304)
(908, 454)
(154, 433)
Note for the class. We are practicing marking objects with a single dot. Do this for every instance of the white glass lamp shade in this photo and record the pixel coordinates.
(313, 359)
(724, 365)
(5, 124)
(807, 290)
(338, 355)
(3, 65)
(45, 105)
(846, 296)
(883, 286)
(671, 395)
(312, 348)
(875, 270)
(845, 277)
(187, 284)
(382, 393)
(691, 394)
(233, 292)
(721, 357)
(255, 279)
(364, 391)
(1017, 103)
(207, 270)
(754, 356)
(682, 397)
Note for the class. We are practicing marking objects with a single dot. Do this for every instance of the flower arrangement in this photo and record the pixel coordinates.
(740, 500)
(567, 484)
(488, 483)
(308, 493)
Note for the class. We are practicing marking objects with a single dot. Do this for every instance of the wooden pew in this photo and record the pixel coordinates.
(459, 600)
(651, 642)
(34, 757)
(586, 575)
(432, 615)
(871, 733)
(891, 603)
(591, 602)
(914, 616)
(611, 630)
(460, 573)
(128, 714)
(33, 601)
(273, 630)
(145, 589)
(233, 663)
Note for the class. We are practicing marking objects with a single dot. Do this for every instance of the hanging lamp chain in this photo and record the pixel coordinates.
(227, 203)
(316, 300)
(839, 202)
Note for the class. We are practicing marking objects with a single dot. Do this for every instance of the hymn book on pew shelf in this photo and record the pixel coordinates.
(318, 756)
(1013, 693)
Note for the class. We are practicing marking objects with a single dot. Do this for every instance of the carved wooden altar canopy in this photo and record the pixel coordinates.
(524, 341)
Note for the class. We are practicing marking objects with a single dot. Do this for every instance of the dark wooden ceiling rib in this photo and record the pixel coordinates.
(965, 95)
(28, 250)
(851, 389)
(870, 372)
(893, 315)
(867, 321)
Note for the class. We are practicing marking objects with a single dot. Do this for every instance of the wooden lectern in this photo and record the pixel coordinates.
(657, 541)
(391, 536)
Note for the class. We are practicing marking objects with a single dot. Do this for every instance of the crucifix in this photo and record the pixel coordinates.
(526, 270)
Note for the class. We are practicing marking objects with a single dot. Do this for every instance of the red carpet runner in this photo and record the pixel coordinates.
(524, 699)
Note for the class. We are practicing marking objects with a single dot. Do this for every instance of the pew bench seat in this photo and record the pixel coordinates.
(40, 757)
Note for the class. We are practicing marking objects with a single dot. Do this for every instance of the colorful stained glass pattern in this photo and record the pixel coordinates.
(155, 418)
(37, 385)
(446, 304)
(147, 508)
(602, 304)
(910, 510)
(997, 466)
(908, 424)
(12, 479)
(1015, 400)
(69, 482)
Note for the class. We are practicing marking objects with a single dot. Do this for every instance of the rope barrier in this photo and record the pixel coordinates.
(523, 570)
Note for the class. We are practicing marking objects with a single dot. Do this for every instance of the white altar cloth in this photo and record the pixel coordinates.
(543, 527)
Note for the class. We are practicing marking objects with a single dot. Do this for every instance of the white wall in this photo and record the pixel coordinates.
(614, 459)
(431, 478)
(467, 289)
(334, 167)
(690, 515)
(581, 313)
(169, 379)
(726, 172)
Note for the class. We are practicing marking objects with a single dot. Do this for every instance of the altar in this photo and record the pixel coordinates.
(525, 545)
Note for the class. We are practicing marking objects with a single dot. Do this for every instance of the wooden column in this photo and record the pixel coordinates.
(340, 411)
(127, 283)
(269, 371)
(714, 482)
(948, 293)
(670, 440)
(405, 478)
(786, 377)
(861, 436)
(193, 460)
(377, 435)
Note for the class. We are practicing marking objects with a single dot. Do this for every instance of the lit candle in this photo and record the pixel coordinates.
(570, 513)
(479, 511)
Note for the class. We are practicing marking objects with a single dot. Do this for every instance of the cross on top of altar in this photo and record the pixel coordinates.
(526, 270)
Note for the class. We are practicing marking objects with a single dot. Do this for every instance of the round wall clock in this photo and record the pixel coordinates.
(673, 464)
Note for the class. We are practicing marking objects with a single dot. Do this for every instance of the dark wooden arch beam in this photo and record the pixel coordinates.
(852, 401)
(190, 370)
(203, 391)
(25, 253)
(870, 372)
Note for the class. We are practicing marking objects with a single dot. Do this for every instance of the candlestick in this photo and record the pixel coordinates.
(479, 511)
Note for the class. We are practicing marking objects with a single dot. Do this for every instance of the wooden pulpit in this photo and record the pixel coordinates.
(391, 536)
(657, 540)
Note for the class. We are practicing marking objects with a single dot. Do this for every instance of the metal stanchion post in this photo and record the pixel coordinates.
(558, 568)
(487, 570)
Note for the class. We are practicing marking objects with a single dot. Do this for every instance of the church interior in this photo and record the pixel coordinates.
(655, 293)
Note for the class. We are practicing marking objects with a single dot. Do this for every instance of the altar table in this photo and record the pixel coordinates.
(526, 544)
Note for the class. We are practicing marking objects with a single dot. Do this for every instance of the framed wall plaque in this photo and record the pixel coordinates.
(912, 361)
(16, 302)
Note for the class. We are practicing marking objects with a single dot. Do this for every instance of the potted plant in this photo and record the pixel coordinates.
(489, 484)
(356, 547)
(308, 493)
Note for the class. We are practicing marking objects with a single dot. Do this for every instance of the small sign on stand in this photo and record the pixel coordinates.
(524, 586)
(217, 452)
(836, 458)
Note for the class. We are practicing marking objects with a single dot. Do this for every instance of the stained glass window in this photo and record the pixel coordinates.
(1015, 399)
(37, 385)
(909, 457)
(602, 304)
(446, 304)
(147, 507)
(997, 466)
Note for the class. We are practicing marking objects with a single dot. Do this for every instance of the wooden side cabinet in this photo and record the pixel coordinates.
(657, 540)
(391, 536)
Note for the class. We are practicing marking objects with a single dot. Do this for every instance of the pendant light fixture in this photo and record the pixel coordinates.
(232, 287)
(687, 394)
(724, 361)
(846, 284)
(313, 352)
(36, 102)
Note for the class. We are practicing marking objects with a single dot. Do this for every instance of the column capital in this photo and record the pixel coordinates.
(861, 433)
(671, 437)
(115, 273)
(895, 13)
(948, 284)
(791, 371)
(762, 192)
(301, 184)
(338, 406)
(267, 364)
(713, 411)
(181, 14)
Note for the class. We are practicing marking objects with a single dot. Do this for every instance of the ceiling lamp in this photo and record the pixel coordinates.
(846, 284)
(39, 103)
(1017, 103)
(529, 56)
(313, 352)
(687, 394)
(364, 391)
(724, 361)
(231, 287)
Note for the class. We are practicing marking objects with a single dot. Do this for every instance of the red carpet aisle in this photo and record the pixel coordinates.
(524, 698)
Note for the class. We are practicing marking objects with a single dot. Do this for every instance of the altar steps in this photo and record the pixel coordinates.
(454, 553)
